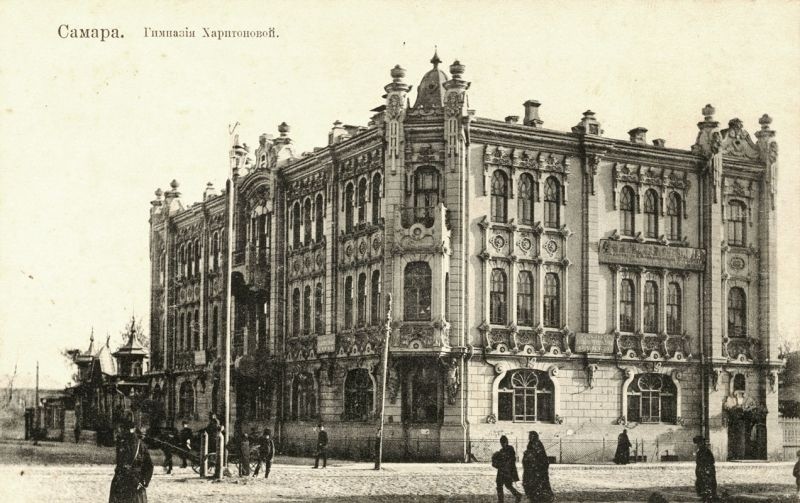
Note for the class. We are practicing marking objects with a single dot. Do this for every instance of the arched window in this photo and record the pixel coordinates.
(627, 207)
(319, 216)
(307, 309)
(196, 330)
(498, 298)
(186, 400)
(376, 198)
(525, 298)
(214, 327)
(739, 383)
(190, 260)
(319, 312)
(650, 307)
(348, 302)
(348, 208)
(426, 194)
(626, 302)
(358, 395)
(362, 299)
(362, 201)
(651, 206)
(674, 216)
(304, 397)
(552, 304)
(737, 218)
(417, 291)
(526, 195)
(674, 322)
(737, 313)
(552, 201)
(198, 257)
(180, 332)
(296, 225)
(652, 398)
(499, 197)
(525, 396)
(307, 223)
(422, 396)
(296, 311)
(215, 251)
(375, 297)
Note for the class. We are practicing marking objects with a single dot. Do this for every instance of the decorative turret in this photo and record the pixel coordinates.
(588, 125)
(209, 192)
(284, 151)
(130, 357)
(430, 93)
(172, 200)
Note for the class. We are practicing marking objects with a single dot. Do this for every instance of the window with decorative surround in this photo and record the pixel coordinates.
(358, 395)
(304, 397)
(627, 303)
(674, 217)
(375, 297)
(552, 203)
(422, 397)
(348, 302)
(737, 312)
(307, 309)
(627, 208)
(552, 301)
(296, 218)
(319, 218)
(377, 189)
(417, 291)
(737, 224)
(525, 298)
(674, 309)
(499, 210)
(319, 310)
(526, 197)
(652, 399)
(498, 298)
(186, 400)
(525, 396)
(651, 301)
(652, 208)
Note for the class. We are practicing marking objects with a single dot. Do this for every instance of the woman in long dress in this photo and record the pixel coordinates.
(623, 454)
(535, 475)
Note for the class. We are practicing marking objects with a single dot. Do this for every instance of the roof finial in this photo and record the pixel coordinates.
(435, 59)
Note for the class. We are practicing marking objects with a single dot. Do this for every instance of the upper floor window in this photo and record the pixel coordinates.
(417, 291)
(190, 260)
(674, 322)
(426, 193)
(214, 328)
(499, 197)
(552, 307)
(651, 307)
(652, 399)
(215, 251)
(525, 396)
(296, 225)
(307, 222)
(358, 395)
(498, 301)
(525, 298)
(737, 313)
(296, 311)
(626, 306)
(348, 208)
(348, 302)
(319, 218)
(362, 299)
(651, 206)
(552, 202)
(674, 217)
(375, 297)
(319, 314)
(737, 218)
(186, 402)
(627, 207)
(307, 309)
(362, 201)
(526, 195)
(376, 198)
(198, 257)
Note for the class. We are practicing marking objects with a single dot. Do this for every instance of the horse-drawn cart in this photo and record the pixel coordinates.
(195, 457)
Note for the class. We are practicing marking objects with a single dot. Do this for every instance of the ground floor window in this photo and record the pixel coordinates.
(652, 398)
(358, 395)
(422, 395)
(304, 397)
(525, 396)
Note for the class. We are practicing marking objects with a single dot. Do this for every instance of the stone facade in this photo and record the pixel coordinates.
(558, 281)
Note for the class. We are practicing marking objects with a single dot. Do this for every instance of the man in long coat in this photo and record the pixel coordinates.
(185, 439)
(266, 453)
(535, 466)
(322, 447)
(623, 454)
(705, 473)
(505, 460)
(134, 468)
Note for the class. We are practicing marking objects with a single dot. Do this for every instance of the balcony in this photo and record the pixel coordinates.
(422, 229)
(423, 215)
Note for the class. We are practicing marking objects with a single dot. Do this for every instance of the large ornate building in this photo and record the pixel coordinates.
(559, 281)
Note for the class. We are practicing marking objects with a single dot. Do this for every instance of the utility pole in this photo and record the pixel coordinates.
(385, 366)
(37, 423)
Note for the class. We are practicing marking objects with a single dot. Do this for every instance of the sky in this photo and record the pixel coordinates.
(90, 129)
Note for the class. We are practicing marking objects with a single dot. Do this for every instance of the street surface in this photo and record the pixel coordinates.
(25, 478)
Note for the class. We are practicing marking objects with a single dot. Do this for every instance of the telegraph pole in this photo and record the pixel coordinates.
(36, 409)
(385, 366)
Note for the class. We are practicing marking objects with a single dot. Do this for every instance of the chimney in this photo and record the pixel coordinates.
(638, 135)
(532, 113)
(337, 131)
(660, 142)
(512, 119)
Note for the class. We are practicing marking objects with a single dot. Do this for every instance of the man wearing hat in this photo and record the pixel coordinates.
(705, 473)
(134, 468)
(322, 446)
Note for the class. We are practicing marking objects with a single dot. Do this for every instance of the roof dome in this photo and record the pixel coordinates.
(430, 92)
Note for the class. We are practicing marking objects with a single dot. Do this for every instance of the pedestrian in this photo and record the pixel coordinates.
(706, 475)
(796, 472)
(213, 430)
(266, 453)
(244, 455)
(535, 467)
(185, 440)
(167, 442)
(378, 449)
(623, 454)
(322, 446)
(134, 468)
(77, 432)
(505, 461)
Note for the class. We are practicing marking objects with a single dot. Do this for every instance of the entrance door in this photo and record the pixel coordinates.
(747, 438)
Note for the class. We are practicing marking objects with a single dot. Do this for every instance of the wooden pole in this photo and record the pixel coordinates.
(37, 423)
(385, 366)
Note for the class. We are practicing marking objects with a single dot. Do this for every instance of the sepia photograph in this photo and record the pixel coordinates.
(445, 251)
